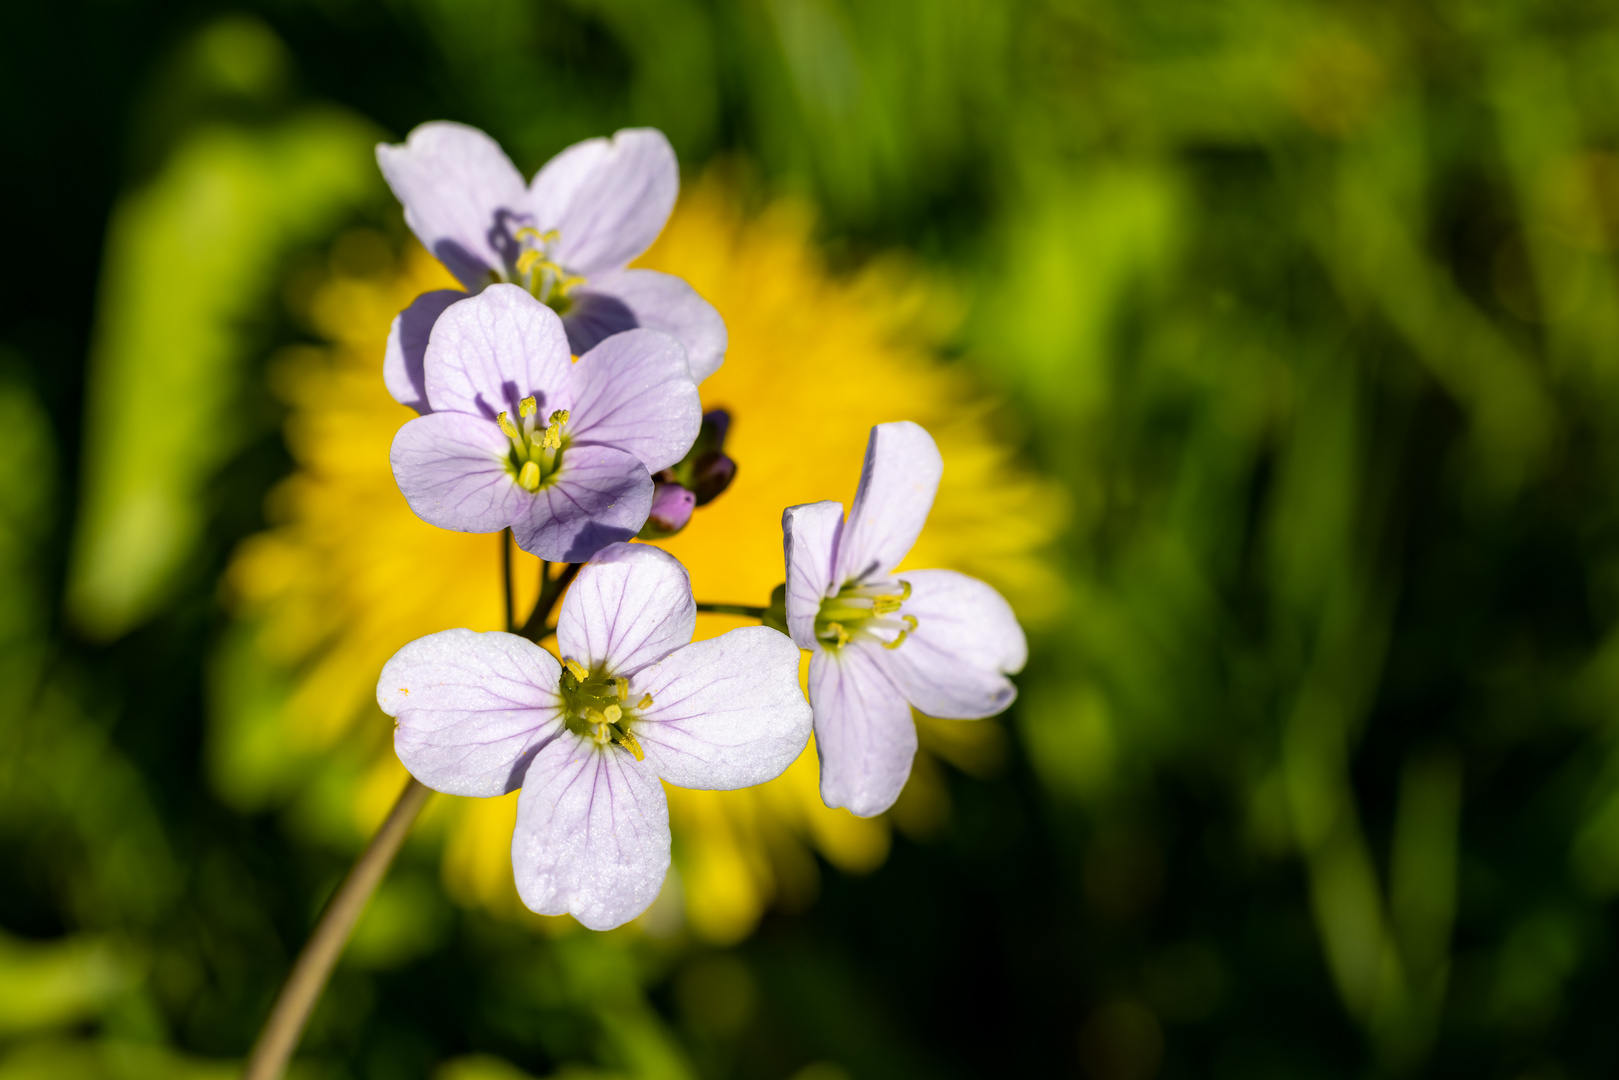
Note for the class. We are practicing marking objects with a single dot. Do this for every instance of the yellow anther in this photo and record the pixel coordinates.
(627, 741)
(903, 634)
(507, 427)
(622, 685)
(910, 620)
(577, 668)
(842, 634)
(528, 406)
(645, 702)
(553, 432)
(904, 589)
(560, 416)
(885, 605)
(613, 714)
(593, 714)
(528, 477)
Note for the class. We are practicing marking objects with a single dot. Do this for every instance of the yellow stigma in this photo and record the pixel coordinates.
(507, 428)
(910, 620)
(528, 477)
(528, 406)
(526, 261)
(622, 685)
(529, 232)
(897, 642)
(577, 669)
(593, 714)
(613, 714)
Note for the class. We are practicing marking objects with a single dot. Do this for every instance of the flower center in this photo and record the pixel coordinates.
(540, 274)
(536, 452)
(596, 706)
(872, 610)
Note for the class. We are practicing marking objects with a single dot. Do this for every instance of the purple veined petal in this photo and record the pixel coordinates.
(606, 198)
(463, 197)
(451, 469)
(592, 836)
(472, 709)
(955, 663)
(634, 391)
(810, 534)
(897, 485)
(726, 712)
(490, 351)
(631, 605)
(864, 734)
(402, 360)
(600, 496)
(621, 300)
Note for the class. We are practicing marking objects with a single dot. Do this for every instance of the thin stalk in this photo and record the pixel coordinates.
(551, 590)
(303, 987)
(733, 609)
(506, 575)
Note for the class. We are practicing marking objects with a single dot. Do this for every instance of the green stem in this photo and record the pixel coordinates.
(506, 574)
(733, 609)
(551, 590)
(309, 975)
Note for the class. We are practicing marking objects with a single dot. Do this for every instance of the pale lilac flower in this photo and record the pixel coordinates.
(565, 237)
(520, 435)
(634, 701)
(935, 640)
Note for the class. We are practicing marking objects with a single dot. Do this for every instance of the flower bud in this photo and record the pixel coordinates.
(711, 475)
(672, 505)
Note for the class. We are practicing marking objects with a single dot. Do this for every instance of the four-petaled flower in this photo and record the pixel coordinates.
(588, 739)
(565, 238)
(885, 642)
(520, 435)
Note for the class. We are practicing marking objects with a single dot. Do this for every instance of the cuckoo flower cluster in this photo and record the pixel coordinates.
(558, 400)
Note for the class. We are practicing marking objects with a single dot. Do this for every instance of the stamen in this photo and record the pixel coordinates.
(593, 714)
(910, 620)
(553, 431)
(897, 642)
(885, 605)
(577, 668)
(507, 428)
(645, 702)
(904, 589)
(526, 261)
(623, 686)
(529, 232)
(627, 741)
(842, 634)
(528, 406)
(528, 477)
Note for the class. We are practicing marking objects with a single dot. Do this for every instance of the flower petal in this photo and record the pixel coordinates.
(490, 351)
(864, 734)
(966, 641)
(592, 837)
(634, 391)
(896, 492)
(472, 709)
(726, 712)
(402, 360)
(810, 533)
(623, 299)
(451, 468)
(607, 199)
(631, 605)
(600, 496)
(463, 197)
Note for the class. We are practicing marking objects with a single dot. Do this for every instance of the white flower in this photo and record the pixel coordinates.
(935, 640)
(635, 700)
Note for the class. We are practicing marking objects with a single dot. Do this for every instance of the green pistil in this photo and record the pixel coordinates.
(536, 452)
(863, 608)
(596, 707)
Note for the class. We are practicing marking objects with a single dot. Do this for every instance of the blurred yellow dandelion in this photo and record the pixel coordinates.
(348, 574)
